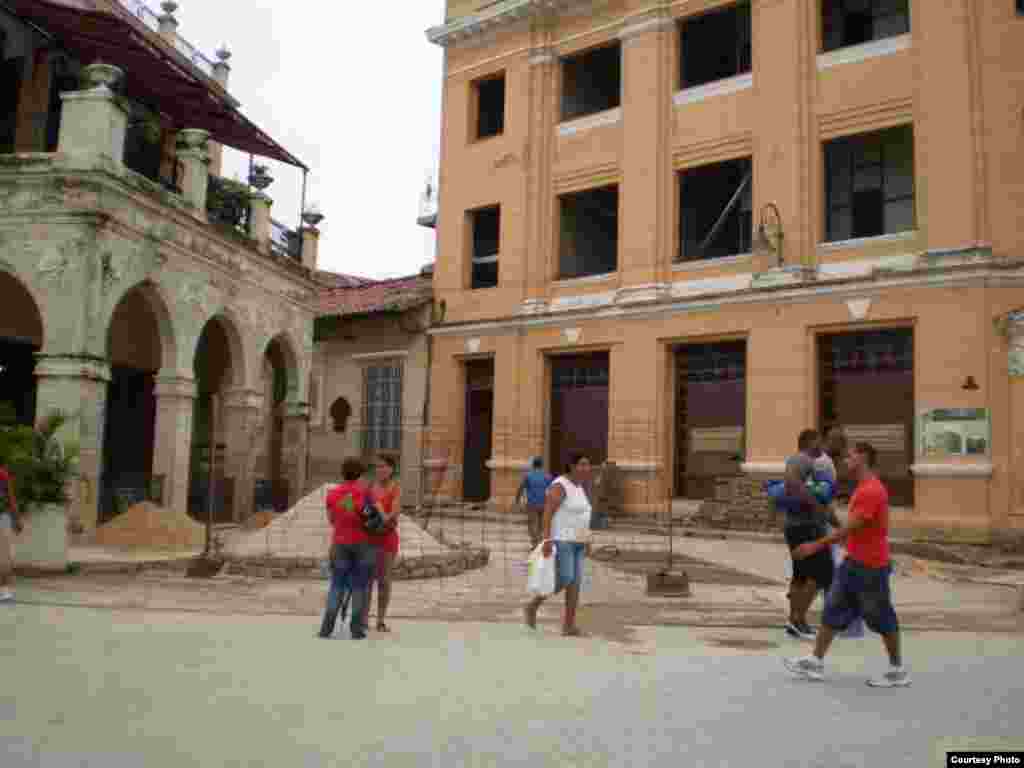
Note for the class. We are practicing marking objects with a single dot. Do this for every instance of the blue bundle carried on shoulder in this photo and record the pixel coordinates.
(819, 484)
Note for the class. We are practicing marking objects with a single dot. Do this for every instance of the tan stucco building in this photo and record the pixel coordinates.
(674, 234)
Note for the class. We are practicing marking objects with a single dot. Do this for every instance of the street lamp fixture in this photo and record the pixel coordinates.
(312, 216)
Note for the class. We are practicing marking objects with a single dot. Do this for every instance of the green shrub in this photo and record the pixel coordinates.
(40, 464)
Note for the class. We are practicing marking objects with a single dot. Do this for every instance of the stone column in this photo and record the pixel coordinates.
(296, 449)
(195, 173)
(221, 72)
(243, 412)
(77, 386)
(168, 24)
(93, 122)
(175, 400)
(259, 219)
(310, 247)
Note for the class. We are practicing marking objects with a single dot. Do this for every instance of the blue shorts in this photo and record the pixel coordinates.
(568, 564)
(861, 592)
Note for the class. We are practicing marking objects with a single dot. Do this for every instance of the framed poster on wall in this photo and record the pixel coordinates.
(948, 432)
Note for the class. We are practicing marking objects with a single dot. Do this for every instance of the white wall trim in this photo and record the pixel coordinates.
(642, 27)
(608, 117)
(700, 264)
(712, 285)
(500, 462)
(369, 356)
(862, 242)
(568, 282)
(978, 469)
(981, 274)
(717, 88)
(763, 467)
(855, 53)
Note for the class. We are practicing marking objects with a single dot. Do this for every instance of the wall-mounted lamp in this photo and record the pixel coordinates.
(769, 233)
(970, 385)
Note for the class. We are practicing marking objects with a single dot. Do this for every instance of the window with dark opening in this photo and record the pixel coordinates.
(715, 46)
(715, 210)
(490, 107)
(870, 184)
(486, 225)
(589, 237)
(592, 82)
(852, 22)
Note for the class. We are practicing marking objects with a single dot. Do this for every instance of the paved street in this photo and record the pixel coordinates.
(113, 688)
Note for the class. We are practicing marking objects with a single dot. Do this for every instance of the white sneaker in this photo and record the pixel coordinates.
(895, 677)
(6, 596)
(807, 667)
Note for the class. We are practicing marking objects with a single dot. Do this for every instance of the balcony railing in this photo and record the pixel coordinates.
(149, 17)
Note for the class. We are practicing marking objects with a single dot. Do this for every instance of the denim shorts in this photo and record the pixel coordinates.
(568, 564)
(862, 592)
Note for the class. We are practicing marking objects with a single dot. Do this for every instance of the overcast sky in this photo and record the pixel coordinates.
(354, 91)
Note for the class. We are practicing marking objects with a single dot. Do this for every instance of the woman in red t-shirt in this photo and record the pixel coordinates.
(387, 495)
(353, 556)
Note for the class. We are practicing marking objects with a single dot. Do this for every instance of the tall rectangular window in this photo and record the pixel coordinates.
(382, 408)
(589, 236)
(592, 82)
(715, 45)
(490, 106)
(715, 210)
(870, 184)
(853, 22)
(486, 230)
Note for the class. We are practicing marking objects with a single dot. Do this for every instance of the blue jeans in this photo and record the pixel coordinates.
(351, 570)
(568, 564)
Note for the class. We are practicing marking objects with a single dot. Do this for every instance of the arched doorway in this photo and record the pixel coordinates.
(216, 367)
(135, 347)
(278, 363)
(21, 336)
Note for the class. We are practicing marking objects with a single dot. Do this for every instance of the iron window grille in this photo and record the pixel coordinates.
(382, 408)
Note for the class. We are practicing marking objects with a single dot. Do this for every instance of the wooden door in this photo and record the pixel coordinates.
(579, 409)
(711, 415)
(867, 388)
(476, 476)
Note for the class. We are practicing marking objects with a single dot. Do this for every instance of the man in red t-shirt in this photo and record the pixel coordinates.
(10, 524)
(353, 555)
(862, 583)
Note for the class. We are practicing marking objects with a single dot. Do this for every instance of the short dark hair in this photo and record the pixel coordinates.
(352, 470)
(574, 459)
(806, 438)
(537, 463)
(867, 450)
(391, 461)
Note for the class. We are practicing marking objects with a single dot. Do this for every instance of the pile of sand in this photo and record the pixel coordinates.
(147, 526)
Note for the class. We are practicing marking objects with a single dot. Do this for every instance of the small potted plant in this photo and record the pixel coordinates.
(42, 468)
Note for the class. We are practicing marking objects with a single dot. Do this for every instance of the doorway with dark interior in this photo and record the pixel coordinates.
(711, 415)
(21, 336)
(476, 475)
(579, 408)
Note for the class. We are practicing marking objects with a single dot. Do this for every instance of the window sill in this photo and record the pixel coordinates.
(983, 469)
(605, 277)
(370, 356)
(863, 52)
(702, 264)
(480, 140)
(862, 242)
(481, 288)
(724, 87)
(585, 123)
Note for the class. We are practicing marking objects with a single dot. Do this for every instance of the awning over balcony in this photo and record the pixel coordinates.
(155, 75)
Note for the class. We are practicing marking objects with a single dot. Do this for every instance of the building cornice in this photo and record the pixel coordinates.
(499, 15)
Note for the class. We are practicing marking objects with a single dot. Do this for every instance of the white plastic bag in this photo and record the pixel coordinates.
(540, 573)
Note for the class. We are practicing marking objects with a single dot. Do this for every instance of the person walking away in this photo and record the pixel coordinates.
(566, 531)
(804, 521)
(353, 557)
(387, 495)
(534, 487)
(10, 524)
(863, 586)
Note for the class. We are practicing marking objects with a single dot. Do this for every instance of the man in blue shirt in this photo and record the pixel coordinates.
(534, 487)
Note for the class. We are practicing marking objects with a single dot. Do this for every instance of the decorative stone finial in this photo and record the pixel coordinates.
(193, 138)
(99, 74)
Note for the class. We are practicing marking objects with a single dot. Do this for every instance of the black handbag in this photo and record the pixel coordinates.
(373, 520)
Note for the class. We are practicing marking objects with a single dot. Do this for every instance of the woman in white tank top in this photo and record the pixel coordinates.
(566, 531)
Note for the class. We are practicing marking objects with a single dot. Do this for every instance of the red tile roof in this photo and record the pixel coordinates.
(360, 296)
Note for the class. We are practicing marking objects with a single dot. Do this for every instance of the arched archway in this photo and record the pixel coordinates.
(279, 377)
(21, 336)
(139, 343)
(218, 367)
